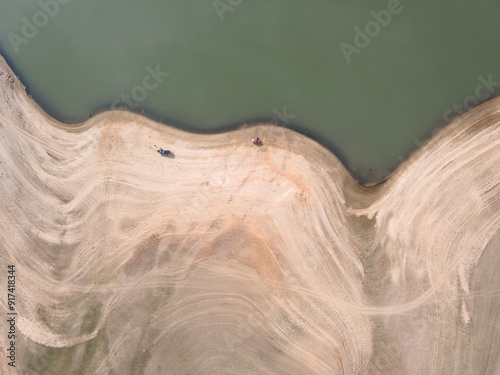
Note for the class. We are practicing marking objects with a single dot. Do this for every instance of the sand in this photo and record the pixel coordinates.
(237, 259)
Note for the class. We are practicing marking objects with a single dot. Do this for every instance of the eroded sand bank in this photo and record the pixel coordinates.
(236, 259)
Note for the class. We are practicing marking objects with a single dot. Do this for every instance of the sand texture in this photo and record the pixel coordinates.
(237, 259)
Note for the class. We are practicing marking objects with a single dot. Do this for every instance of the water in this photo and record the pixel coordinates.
(259, 57)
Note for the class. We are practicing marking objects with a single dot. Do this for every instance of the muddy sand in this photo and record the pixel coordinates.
(235, 259)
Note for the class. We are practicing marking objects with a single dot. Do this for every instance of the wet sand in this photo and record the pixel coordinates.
(237, 259)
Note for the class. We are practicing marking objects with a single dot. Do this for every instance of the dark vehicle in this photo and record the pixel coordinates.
(164, 152)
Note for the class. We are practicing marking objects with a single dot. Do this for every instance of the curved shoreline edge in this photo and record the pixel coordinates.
(232, 258)
(6, 66)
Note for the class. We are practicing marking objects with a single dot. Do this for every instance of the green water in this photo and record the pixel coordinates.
(258, 57)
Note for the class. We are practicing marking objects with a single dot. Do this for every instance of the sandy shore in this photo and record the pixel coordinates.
(236, 259)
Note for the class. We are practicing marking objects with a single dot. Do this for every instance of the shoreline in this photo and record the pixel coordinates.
(183, 127)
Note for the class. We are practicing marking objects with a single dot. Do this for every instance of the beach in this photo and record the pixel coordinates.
(232, 258)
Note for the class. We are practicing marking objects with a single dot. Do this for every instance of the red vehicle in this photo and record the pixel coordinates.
(256, 141)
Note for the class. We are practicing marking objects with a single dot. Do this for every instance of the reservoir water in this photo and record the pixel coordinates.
(369, 79)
